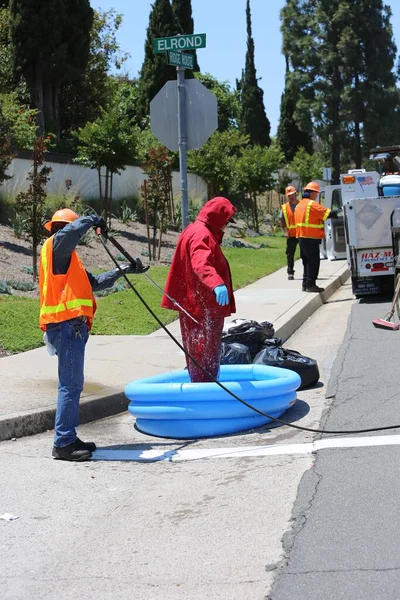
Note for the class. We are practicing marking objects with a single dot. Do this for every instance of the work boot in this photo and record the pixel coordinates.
(91, 446)
(290, 276)
(314, 288)
(303, 288)
(72, 452)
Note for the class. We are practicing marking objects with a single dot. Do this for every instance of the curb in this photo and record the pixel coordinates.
(107, 405)
(40, 421)
(286, 325)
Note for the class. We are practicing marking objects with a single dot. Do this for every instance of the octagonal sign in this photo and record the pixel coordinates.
(201, 114)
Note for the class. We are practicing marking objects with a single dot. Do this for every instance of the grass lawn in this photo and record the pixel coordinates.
(122, 313)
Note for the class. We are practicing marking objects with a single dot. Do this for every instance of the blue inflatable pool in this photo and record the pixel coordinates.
(170, 406)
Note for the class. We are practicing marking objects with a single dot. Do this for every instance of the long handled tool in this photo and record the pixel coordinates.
(386, 322)
(132, 261)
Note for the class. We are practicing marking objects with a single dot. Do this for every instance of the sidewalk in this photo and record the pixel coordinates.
(29, 380)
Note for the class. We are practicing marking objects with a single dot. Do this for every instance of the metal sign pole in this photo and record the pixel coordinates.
(182, 143)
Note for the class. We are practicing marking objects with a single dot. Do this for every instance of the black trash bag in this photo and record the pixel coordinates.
(248, 332)
(235, 354)
(276, 356)
(273, 342)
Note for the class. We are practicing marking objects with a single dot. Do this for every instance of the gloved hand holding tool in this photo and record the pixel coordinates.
(101, 227)
(136, 266)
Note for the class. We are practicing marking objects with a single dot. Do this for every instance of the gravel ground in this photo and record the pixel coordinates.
(16, 255)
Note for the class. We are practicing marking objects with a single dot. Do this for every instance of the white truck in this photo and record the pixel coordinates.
(363, 231)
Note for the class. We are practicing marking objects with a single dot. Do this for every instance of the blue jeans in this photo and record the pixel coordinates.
(69, 339)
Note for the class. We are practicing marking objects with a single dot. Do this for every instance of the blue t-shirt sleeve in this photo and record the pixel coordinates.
(66, 240)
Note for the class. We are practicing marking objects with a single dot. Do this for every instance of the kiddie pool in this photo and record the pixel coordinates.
(170, 406)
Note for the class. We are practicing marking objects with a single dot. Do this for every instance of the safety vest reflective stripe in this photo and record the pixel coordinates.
(307, 219)
(52, 310)
(44, 264)
(79, 302)
(285, 216)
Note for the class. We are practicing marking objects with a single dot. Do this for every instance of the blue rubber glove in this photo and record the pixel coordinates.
(221, 292)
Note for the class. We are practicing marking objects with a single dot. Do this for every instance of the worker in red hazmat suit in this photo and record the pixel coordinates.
(200, 281)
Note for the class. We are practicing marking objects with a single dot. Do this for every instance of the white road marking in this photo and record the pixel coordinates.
(124, 454)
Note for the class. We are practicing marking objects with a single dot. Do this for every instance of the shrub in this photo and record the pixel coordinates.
(18, 224)
(22, 286)
(4, 288)
(119, 286)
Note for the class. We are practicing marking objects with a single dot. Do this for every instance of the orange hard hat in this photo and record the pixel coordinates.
(64, 215)
(290, 190)
(312, 187)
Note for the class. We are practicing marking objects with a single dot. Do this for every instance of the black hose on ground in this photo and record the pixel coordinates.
(173, 338)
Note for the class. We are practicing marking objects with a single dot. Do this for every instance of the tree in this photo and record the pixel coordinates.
(228, 100)
(20, 121)
(331, 47)
(6, 154)
(155, 70)
(255, 174)
(307, 166)
(50, 45)
(110, 142)
(182, 10)
(31, 204)
(215, 161)
(6, 71)
(370, 94)
(85, 98)
(289, 135)
(254, 121)
(157, 192)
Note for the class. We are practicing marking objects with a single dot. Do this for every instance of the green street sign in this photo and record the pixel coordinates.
(180, 59)
(180, 42)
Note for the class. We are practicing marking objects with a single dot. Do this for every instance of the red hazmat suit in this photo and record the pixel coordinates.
(197, 268)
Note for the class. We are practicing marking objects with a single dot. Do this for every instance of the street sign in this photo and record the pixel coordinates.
(183, 115)
(327, 174)
(201, 114)
(180, 42)
(180, 59)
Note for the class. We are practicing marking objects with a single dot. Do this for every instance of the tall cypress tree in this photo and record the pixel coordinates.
(290, 136)
(254, 121)
(155, 69)
(50, 45)
(182, 10)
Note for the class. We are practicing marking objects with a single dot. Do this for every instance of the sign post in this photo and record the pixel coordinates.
(196, 119)
(182, 143)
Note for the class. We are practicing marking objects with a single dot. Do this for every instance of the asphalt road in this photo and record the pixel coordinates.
(346, 519)
(118, 528)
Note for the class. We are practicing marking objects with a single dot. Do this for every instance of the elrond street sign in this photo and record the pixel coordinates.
(180, 59)
(180, 42)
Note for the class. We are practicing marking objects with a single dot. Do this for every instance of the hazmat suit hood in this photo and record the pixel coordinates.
(216, 213)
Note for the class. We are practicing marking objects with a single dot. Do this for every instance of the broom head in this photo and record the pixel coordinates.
(383, 324)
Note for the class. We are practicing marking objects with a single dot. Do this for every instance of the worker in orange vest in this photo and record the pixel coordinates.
(288, 225)
(310, 217)
(67, 308)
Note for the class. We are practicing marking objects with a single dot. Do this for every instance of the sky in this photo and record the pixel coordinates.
(224, 22)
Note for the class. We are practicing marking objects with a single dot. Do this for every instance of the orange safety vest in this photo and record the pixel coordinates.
(310, 217)
(64, 297)
(288, 215)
